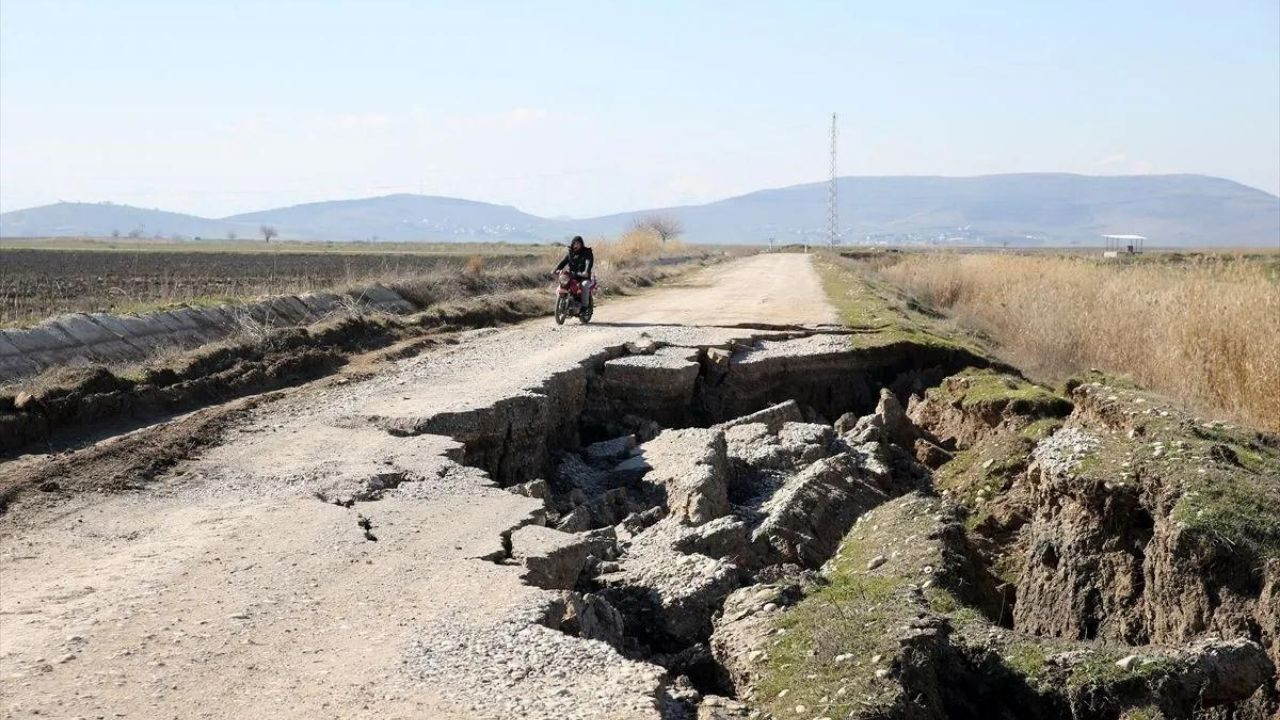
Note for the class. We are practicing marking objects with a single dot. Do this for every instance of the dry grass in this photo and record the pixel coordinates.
(1206, 331)
(635, 247)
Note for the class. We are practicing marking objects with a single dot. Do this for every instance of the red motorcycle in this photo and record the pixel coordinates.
(569, 298)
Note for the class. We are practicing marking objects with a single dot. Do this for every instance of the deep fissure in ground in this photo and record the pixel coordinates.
(695, 492)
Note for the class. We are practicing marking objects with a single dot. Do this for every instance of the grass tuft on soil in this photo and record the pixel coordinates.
(855, 615)
(981, 388)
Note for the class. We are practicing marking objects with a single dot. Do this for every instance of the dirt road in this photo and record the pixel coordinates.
(333, 555)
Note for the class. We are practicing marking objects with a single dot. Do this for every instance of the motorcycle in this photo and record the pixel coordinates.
(569, 300)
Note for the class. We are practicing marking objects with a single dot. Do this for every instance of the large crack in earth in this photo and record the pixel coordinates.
(693, 494)
(703, 522)
(663, 469)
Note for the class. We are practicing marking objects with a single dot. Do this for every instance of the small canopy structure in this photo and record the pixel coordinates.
(1131, 244)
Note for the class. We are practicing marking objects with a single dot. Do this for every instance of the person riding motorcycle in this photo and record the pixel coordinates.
(580, 261)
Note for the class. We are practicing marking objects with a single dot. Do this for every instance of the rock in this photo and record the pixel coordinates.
(591, 617)
(607, 509)
(876, 562)
(897, 426)
(573, 473)
(534, 489)
(666, 594)
(1223, 671)
(553, 559)
(931, 455)
(1127, 662)
(714, 707)
(755, 450)
(845, 423)
(724, 537)
(867, 429)
(807, 442)
(806, 518)
(609, 451)
(631, 469)
(771, 417)
(645, 429)
(643, 346)
(691, 465)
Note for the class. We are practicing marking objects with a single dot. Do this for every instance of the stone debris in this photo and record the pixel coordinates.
(553, 560)
(1061, 452)
(806, 518)
(771, 417)
(609, 452)
(692, 467)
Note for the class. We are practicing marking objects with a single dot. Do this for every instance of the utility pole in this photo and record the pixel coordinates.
(833, 215)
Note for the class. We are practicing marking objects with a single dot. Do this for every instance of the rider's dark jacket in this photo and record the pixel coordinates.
(579, 263)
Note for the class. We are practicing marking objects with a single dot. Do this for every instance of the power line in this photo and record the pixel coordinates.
(833, 217)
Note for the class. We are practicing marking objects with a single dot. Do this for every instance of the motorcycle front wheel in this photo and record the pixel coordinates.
(562, 309)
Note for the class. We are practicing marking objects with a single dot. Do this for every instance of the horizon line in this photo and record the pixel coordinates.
(562, 217)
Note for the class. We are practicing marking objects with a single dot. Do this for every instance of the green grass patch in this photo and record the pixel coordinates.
(1236, 509)
(981, 388)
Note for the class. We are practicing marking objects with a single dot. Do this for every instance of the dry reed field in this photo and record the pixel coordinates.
(1204, 329)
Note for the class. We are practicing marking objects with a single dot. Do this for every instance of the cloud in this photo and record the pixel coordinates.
(1120, 163)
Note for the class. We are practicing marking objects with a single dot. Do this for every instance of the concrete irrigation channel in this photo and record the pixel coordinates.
(614, 521)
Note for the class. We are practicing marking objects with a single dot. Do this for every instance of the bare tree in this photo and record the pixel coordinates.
(268, 232)
(666, 227)
(231, 234)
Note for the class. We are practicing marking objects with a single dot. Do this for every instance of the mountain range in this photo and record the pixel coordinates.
(1015, 209)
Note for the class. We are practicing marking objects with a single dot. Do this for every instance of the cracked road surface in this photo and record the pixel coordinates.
(312, 564)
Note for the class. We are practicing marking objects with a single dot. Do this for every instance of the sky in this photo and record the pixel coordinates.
(586, 108)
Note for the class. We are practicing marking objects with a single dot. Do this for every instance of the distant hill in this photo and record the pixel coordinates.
(1021, 209)
(105, 219)
(404, 218)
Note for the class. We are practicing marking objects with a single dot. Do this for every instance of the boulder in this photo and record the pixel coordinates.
(553, 560)
(608, 508)
(771, 417)
(534, 489)
(806, 518)
(591, 617)
(692, 467)
(608, 452)
(668, 596)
